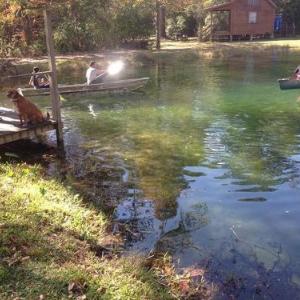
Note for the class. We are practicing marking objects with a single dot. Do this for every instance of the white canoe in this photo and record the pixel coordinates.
(110, 86)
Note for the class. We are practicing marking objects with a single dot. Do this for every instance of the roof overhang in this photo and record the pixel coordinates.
(220, 7)
(272, 3)
(227, 6)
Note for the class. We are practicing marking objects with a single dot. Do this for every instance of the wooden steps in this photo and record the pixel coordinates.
(11, 131)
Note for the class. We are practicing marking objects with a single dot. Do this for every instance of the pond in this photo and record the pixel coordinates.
(209, 154)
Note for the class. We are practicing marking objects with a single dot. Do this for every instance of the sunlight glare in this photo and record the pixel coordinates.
(115, 67)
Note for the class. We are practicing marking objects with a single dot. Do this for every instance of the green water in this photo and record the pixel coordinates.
(210, 155)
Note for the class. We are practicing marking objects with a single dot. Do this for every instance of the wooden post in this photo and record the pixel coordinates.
(55, 98)
(162, 24)
(211, 26)
(230, 27)
(158, 33)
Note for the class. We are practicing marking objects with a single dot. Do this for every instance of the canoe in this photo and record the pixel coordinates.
(110, 86)
(289, 84)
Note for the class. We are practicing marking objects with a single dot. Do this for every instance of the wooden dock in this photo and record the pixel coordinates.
(11, 130)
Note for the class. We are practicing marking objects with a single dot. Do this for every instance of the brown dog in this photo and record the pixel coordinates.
(28, 112)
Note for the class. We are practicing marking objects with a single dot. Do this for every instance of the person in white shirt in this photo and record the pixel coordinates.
(94, 74)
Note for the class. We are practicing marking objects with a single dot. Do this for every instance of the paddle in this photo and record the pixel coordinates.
(113, 69)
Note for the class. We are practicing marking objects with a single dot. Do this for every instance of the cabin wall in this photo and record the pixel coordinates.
(240, 10)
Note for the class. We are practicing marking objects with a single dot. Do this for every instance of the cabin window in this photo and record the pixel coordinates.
(252, 17)
(253, 2)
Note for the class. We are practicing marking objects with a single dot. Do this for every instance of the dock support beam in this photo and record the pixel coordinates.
(211, 26)
(158, 25)
(55, 98)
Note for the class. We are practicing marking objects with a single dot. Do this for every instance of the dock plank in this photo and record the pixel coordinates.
(11, 130)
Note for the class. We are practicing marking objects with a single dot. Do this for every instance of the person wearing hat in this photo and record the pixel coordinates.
(38, 81)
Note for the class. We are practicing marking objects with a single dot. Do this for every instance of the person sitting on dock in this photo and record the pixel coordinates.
(38, 81)
(94, 74)
(296, 74)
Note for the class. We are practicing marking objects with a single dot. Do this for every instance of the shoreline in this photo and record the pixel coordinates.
(169, 45)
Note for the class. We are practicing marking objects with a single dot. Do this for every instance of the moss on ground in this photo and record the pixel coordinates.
(48, 240)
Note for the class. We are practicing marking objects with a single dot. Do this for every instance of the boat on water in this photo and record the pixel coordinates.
(126, 85)
(289, 84)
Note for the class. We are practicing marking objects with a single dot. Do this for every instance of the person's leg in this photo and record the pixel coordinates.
(45, 86)
(100, 78)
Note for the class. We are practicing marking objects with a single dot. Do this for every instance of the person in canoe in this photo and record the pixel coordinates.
(38, 81)
(95, 74)
(296, 74)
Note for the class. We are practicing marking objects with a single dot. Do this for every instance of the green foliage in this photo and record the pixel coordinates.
(188, 19)
(172, 27)
(82, 25)
(90, 25)
(182, 24)
(290, 10)
(133, 22)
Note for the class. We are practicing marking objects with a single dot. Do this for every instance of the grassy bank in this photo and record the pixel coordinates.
(169, 45)
(51, 245)
(293, 43)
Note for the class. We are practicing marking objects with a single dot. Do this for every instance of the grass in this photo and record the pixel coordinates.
(50, 245)
(193, 43)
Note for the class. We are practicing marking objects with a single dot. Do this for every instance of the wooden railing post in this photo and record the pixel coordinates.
(55, 98)
(158, 33)
(211, 26)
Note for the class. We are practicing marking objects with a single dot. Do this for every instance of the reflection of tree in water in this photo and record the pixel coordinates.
(144, 230)
(239, 269)
(258, 144)
(195, 218)
(156, 142)
(186, 222)
(160, 153)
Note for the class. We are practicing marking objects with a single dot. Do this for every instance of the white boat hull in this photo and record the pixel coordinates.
(115, 86)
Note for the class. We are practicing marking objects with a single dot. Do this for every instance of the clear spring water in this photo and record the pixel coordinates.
(211, 155)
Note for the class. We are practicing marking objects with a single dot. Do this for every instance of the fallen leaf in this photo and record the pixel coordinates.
(25, 258)
(194, 272)
(71, 286)
(184, 286)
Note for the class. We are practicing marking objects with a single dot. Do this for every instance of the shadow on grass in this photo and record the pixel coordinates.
(33, 256)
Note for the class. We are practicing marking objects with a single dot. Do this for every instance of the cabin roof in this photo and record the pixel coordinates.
(227, 6)
(224, 6)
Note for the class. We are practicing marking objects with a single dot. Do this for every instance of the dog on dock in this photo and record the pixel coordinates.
(28, 112)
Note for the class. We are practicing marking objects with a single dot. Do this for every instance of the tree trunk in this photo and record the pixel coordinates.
(157, 24)
(27, 30)
(163, 22)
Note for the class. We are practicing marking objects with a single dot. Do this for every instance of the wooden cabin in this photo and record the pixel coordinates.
(240, 19)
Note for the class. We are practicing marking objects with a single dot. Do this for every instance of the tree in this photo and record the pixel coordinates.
(158, 28)
(79, 25)
(290, 10)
